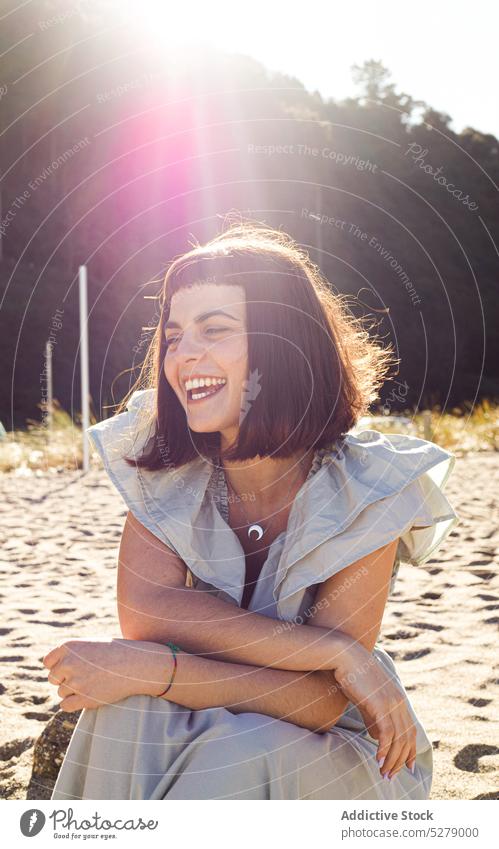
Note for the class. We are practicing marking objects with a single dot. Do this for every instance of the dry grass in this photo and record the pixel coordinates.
(35, 450)
(461, 430)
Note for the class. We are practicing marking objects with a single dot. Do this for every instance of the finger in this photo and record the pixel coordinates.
(399, 763)
(384, 734)
(64, 690)
(55, 678)
(71, 702)
(392, 754)
(58, 672)
(411, 760)
(53, 656)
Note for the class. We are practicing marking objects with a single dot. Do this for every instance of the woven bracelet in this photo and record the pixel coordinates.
(174, 649)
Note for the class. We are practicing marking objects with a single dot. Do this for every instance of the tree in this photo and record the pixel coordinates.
(373, 76)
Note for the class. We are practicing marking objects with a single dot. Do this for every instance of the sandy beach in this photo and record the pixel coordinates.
(60, 537)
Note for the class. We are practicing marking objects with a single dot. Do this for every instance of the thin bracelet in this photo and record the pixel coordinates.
(174, 649)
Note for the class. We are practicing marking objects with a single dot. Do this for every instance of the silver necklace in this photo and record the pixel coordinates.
(257, 527)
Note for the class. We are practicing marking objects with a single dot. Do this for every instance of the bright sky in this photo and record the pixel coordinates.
(444, 53)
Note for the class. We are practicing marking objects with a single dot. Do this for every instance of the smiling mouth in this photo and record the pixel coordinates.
(195, 396)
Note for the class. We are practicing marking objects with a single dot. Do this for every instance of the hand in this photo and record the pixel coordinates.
(382, 704)
(91, 673)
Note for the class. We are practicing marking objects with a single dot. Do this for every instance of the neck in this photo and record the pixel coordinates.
(266, 480)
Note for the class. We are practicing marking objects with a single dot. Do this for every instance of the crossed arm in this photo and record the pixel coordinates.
(244, 660)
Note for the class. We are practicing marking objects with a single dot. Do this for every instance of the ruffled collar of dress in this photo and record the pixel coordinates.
(180, 501)
(217, 485)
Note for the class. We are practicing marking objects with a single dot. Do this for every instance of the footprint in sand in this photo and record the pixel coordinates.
(32, 678)
(490, 682)
(55, 623)
(401, 635)
(469, 757)
(480, 573)
(494, 620)
(414, 655)
(476, 702)
(35, 700)
(33, 714)
(432, 595)
(14, 748)
(427, 626)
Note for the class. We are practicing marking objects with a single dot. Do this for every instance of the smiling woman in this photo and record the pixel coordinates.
(250, 308)
(274, 685)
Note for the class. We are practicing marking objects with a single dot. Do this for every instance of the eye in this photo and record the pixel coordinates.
(216, 329)
(171, 341)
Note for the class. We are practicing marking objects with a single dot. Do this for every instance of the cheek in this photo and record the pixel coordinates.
(234, 358)
(169, 373)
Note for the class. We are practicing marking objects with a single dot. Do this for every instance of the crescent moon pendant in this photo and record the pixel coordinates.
(258, 529)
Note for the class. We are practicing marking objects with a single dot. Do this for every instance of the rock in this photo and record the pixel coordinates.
(48, 755)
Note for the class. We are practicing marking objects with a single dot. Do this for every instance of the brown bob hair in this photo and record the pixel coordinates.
(320, 368)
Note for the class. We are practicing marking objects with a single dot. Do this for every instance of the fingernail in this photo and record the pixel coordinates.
(386, 776)
(412, 768)
(381, 762)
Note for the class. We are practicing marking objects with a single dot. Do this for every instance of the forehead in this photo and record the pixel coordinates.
(190, 302)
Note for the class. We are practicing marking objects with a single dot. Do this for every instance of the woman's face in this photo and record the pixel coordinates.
(206, 338)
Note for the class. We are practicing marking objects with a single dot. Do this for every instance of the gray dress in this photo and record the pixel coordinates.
(361, 493)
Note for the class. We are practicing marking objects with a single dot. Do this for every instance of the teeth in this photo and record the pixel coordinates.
(198, 382)
(197, 395)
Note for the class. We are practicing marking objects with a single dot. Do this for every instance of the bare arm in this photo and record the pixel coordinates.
(303, 698)
(354, 601)
(155, 605)
(311, 700)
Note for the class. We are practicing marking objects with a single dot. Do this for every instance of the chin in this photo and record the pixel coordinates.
(203, 428)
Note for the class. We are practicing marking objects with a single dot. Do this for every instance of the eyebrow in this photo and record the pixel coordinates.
(202, 317)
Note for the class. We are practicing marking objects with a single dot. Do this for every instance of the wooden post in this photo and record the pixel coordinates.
(85, 412)
(428, 430)
(48, 364)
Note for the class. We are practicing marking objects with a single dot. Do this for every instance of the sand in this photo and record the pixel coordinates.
(58, 581)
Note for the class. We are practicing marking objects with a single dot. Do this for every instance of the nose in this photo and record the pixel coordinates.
(190, 347)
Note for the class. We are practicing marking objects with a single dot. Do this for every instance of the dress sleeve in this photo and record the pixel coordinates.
(419, 516)
(390, 487)
(125, 435)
